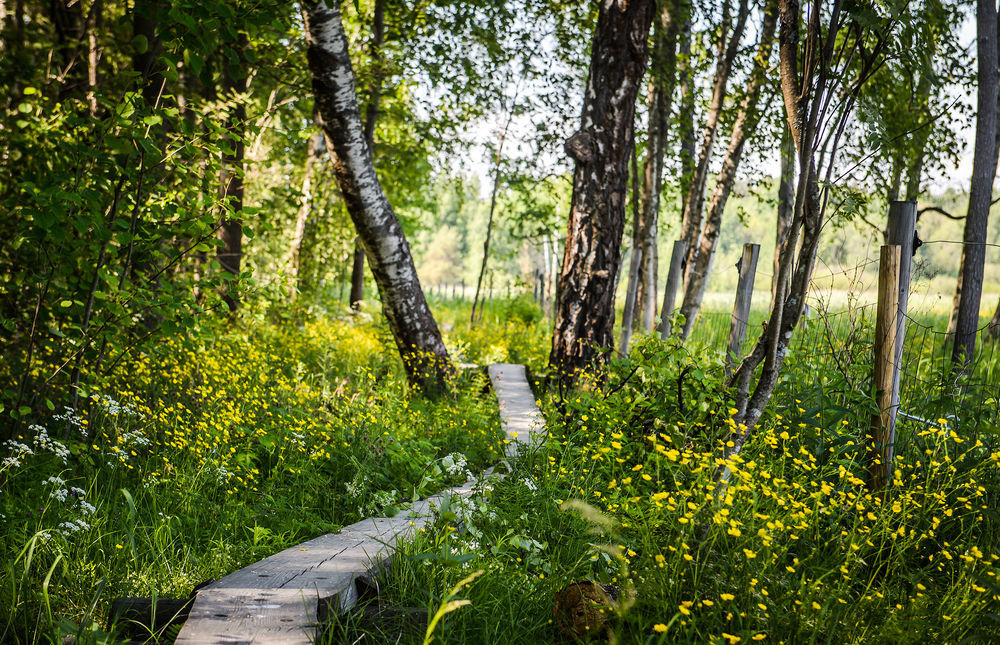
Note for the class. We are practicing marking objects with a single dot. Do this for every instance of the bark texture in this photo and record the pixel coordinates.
(413, 327)
(585, 314)
(694, 199)
(969, 290)
(746, 122)
(786, 205)
(371, 118)
(663, 82)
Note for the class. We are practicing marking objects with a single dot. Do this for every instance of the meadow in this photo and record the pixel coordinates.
(796, 549)
(211, 451)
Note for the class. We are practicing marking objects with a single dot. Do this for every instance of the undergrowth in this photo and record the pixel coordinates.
(795, 549)
(213, 450)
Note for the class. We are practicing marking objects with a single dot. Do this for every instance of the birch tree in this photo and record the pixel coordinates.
(821, 76)
(584, 311)
(746, 122)
(727, 49)
(413, 327)
(663, 80)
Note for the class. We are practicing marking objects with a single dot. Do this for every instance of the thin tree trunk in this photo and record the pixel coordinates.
(357, 274)
(984, 162)
(413, 327)
(664, 79)
(994, 326)
(230, 253)
(786, 206)
(371, 117)
(686, 116)
(746, 123)
(95, 21)
(635, 265)
(314, 149)
(497, 160)
(808, 95)
(585, 314)
(694, 200)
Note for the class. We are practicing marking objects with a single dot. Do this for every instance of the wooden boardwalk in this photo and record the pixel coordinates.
(276, 600)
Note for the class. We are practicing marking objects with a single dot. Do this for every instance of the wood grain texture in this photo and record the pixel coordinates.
(882, 436)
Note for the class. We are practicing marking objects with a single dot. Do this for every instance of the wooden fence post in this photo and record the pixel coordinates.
(902, 222)
(741, 308)
(673, 283)
(882, 438)
(630, 294)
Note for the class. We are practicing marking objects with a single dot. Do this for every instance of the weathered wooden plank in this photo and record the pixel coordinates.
(519, 414)
(275, 600)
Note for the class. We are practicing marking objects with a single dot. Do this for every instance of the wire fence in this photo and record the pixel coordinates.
(838, 341)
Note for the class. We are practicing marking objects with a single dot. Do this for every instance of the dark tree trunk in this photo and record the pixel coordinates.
(414, 329)
(585, 314)
(230, 253)
(69, 62)
(786, 205)
(664, 79)
(371, 118)
(746, 122)
(970, 281)
(357, 275)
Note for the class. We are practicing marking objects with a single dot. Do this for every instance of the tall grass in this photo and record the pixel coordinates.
(795, 549)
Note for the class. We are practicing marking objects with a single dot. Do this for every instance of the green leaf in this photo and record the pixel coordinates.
(28, 91)
(140, 44)
(50, 405)
(24, 410)
(66, 303)
(153, 119)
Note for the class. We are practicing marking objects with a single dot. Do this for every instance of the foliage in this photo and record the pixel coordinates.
(795, 549)
(208, 453)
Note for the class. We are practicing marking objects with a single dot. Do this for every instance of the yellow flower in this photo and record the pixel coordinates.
(727, 596)
(659, 628)
(750, 554)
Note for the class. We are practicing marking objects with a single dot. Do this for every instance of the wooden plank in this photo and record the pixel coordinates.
(519, 414)
(276, 600)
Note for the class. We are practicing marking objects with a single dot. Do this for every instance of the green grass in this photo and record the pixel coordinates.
(796, 549)
(211, 452)
(218, 449)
